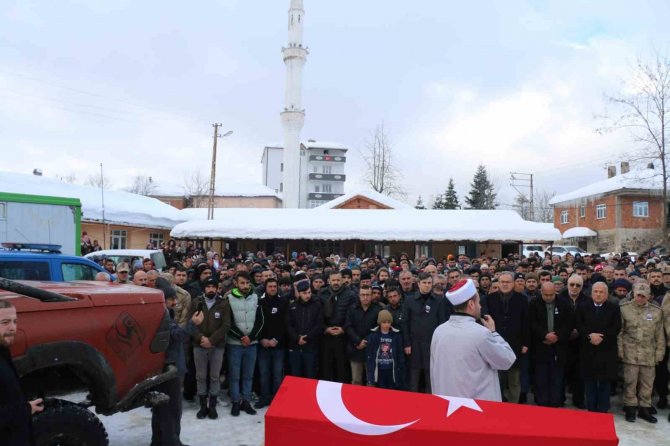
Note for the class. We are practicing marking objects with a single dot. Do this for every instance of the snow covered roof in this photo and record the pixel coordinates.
(366, 224)
(324, 145)
(370, 195)
(635, 180)
(312, 145)
(579, 231)
(225, 189)
(121, 207)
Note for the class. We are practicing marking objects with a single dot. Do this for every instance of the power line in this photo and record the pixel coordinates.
(83, 112)
(111, 98)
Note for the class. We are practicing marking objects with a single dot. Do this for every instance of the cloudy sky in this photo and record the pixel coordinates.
(136, 85)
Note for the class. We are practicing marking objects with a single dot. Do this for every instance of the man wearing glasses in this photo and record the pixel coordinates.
(510, 311)
(598, 324)
(575, 297)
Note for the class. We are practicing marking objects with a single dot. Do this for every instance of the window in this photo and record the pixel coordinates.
(316, 169)
(601, 211)
(640, 209)
(156, 238)
(28, 270)
(317, 188)
(382, 250)
(119, 239)
(326, 188)
(326, 169)
(281, 167)
(564, 217)
(421, 250)
(326, 152)
(76, 271)
(316, 203)
(582, 209)
(281, 187)
(3, 211)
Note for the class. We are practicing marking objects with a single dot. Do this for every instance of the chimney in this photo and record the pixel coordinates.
(611, 171)
(625, 167)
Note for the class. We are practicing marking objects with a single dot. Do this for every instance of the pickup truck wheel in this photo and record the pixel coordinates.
(63, 423)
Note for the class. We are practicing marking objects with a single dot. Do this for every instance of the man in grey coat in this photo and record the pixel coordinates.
(464, 356)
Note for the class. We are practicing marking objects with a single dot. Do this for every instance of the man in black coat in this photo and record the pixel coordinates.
(598, 324)
(272, 342)
(551, 322)
(304, 327)
(335, 302)
(509, 310)
(361, 319)
(16, 428)
(574, 296)
(423, 314)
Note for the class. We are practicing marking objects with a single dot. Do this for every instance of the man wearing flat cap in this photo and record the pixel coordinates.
(465, 357)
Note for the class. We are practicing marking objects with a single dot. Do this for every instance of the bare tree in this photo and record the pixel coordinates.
(97, 180)
(70, 178)
(142, 185)
(645, 114)
(381, 173)
(196, 189)
(543, 212)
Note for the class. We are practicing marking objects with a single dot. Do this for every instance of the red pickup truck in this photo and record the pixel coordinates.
(101, 340)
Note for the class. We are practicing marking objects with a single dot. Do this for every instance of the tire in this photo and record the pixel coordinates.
(63, 423)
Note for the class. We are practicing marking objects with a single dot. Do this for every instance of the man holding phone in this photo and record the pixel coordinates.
(15, 410)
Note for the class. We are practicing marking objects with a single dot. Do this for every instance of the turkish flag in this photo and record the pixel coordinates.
(308, 412)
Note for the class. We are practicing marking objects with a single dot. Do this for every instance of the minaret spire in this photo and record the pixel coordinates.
(293, 116)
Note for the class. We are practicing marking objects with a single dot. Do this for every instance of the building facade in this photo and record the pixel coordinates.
(321, 174)
(625, 211)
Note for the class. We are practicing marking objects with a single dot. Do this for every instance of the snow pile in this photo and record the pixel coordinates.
(365, 224)
(225, 189)
(121, 207)
(370, 195)
(637, 179)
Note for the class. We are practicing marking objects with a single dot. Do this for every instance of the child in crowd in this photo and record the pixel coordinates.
(385, 357)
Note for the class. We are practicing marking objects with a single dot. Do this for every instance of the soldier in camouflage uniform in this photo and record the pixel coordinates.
(641, 347)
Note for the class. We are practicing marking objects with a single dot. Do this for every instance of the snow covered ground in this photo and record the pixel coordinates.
(134, 428)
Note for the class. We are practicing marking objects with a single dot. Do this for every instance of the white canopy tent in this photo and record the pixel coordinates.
(364, 224)
(579, 231)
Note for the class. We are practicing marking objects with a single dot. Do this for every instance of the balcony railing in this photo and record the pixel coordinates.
(327, 176)
(328, 158)
(322, 196)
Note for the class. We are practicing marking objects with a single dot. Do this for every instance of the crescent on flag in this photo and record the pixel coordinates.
(329, 399)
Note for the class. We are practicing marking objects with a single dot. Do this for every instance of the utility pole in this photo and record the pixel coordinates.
(212, 177)
(102, 193)
(518, 179)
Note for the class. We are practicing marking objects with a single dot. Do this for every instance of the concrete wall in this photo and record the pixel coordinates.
(136, 238)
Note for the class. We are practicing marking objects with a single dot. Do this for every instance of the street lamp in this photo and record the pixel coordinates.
(212, 178)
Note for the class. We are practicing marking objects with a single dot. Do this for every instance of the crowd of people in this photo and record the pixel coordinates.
(581, 328)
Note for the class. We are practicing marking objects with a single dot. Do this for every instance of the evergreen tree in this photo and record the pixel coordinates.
(450, 197)
(438, 202)
(419, 203)
(482, 195)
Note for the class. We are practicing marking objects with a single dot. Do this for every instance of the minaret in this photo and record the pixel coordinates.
(293, 116)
